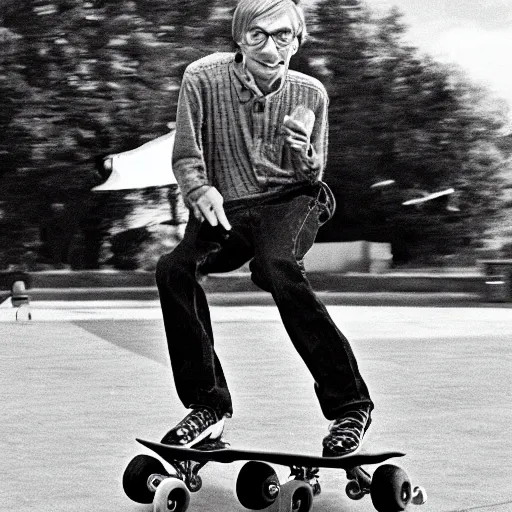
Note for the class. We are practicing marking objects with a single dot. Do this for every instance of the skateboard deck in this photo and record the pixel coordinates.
(227, 455)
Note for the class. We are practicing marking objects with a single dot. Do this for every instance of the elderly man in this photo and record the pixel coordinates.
(250, 149)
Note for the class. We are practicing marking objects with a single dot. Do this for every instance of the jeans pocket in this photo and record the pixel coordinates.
(326, 204)
(307, 233)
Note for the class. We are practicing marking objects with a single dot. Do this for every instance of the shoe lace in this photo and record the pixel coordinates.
(197, 419)
(355, 421)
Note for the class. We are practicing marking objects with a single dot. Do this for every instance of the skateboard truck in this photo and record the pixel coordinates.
(308, 475)
(188, 470)
(359, 483)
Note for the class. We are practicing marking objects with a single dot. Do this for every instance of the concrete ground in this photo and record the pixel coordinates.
(82, 380)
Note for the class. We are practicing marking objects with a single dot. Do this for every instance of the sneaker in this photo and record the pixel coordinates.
(346, 433)
(200, 424)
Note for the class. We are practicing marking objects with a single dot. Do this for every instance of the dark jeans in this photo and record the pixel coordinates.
(274, 234)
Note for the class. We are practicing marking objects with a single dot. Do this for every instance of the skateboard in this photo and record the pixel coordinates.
(146, 480)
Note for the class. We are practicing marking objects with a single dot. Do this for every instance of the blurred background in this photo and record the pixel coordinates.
(81, 80)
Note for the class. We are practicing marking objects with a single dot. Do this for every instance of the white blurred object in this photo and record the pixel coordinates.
(383, 184)
(148, 165)
(429, 197)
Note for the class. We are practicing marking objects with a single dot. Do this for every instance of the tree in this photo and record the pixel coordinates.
(84, 79)
(395, 115)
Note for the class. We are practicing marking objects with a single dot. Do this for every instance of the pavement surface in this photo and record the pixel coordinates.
(81, 381)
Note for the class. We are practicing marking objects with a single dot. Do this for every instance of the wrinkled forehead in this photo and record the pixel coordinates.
(270, 15)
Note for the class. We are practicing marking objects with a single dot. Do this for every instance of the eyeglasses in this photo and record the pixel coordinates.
(258, 37)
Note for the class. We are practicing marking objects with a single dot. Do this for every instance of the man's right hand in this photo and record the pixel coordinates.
(209, 206)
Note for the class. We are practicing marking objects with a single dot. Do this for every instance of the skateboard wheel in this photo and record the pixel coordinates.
(296, 496)
(137, 476)
(171, 495)
(257, 485)
(390, 489)
(195, 483)
(353, 490)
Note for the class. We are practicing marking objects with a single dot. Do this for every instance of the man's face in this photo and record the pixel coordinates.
(268, 46)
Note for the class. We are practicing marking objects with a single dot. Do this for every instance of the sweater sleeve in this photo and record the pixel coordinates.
(187, 159)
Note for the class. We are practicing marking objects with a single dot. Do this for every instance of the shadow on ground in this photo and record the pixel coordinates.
(145, 338)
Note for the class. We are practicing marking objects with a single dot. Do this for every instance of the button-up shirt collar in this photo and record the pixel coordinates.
(245, 85)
